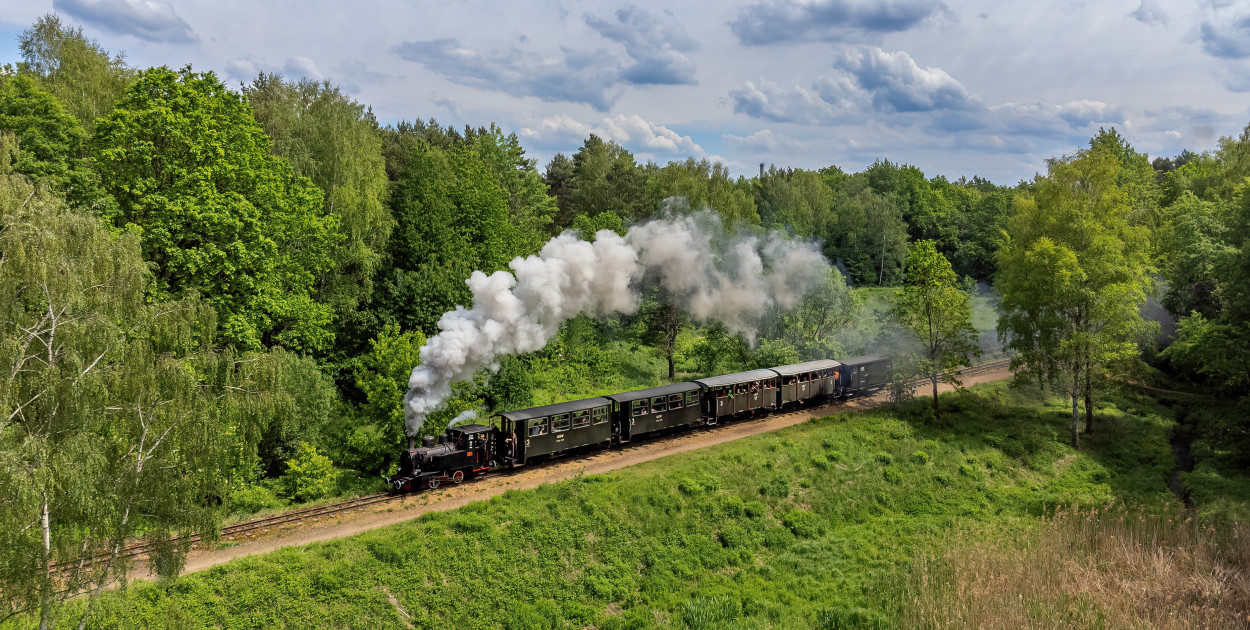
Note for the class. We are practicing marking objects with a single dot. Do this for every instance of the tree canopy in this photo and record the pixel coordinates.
(215, 211)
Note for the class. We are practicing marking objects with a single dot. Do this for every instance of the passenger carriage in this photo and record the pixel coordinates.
(553, 429)
(808, 381)
(734, 394)
(655, 409)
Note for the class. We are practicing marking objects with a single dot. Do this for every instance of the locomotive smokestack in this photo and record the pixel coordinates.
(412, 442)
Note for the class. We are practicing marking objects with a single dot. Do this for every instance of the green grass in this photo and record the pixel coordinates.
(812, 526)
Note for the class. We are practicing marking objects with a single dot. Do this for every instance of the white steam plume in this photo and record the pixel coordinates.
(464, 416)
(711, 274)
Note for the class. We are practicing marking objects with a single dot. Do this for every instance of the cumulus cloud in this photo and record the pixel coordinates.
(149, 20)
(765, 141)
(632, 132)
(578, 76)
(768, 101)
(780, 21)
(868, 78)
(898, 83)
(656, 46)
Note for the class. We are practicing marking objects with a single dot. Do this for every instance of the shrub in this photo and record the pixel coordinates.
(921, 457)
(892, 475)
(802, 523)
(253, 498)
(779, 487)
(885, 458)
(970, 471)
(778, 538)
(310, 475)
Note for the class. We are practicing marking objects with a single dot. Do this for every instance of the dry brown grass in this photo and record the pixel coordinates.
(1092, 568)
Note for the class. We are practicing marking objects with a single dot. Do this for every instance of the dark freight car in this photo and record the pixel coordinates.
(552, 429)
(865, 374)
(802, 382)
(650, 410)
(734, 394)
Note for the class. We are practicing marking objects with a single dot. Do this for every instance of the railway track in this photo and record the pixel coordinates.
(292, 516)
(304, 514)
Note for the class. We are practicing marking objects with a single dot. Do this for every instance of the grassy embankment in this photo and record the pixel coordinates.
(857, 520)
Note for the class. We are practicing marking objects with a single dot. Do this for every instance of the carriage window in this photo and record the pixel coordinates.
(581, 419)
(560, 423)
(639, 407)
(674, 401)
(724, 392)
(599, 415)
(538, 427)
(742, 389)
(658, 404)
(692, 399)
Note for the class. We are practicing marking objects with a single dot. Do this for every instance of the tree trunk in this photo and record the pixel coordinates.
(881, 268)
(1089, 402)
(1076, 412)
(933, 378)
(672, 366)
(45, 589)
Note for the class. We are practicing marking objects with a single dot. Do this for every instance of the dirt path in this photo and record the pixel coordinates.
(450, 498)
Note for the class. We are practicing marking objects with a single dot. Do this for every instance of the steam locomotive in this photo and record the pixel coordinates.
(517, 438)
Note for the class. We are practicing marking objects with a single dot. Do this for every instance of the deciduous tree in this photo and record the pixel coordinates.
(1073, 274)
(216, 212)
(333, 140)
(106, 430)
(935, 312)
(82, 75)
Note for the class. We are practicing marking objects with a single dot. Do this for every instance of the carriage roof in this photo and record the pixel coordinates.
(807, 366)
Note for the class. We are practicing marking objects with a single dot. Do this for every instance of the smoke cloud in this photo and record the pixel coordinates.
(712, 274)
(463, 417)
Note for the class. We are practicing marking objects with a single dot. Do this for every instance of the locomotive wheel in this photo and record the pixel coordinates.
(457, 476)
(432, 482)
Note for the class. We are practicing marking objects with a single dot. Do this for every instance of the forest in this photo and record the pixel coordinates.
(214, 298)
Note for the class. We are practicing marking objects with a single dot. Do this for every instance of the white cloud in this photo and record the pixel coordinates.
(765, 141)
(631, 132)
(577, 76)
(768, 101)
(302, 68)
(148, 20)
(658, 46)
(783, 21)
(634, 131)
(898, 83)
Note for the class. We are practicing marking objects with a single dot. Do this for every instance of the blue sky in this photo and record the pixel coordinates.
(956, 87)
